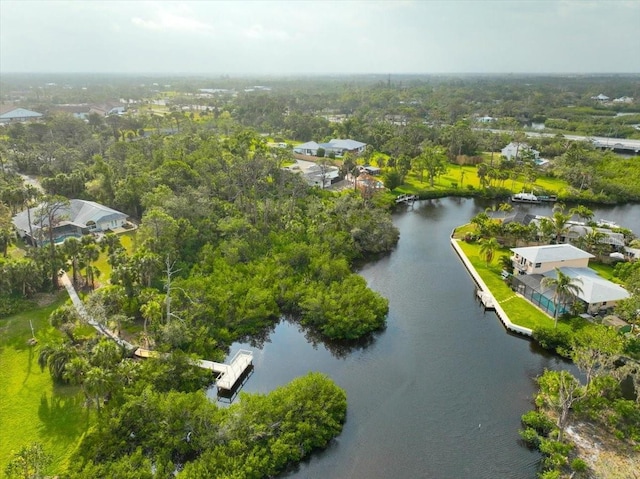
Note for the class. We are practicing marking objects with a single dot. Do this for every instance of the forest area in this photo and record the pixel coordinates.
(224, 241)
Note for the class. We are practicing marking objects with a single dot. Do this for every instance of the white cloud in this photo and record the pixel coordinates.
(164, 19)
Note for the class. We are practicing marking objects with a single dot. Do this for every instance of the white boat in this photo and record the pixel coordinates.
(526, 198)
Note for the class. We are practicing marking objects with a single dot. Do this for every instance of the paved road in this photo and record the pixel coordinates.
(601, 141)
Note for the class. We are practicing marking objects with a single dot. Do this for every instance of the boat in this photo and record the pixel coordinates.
(607, 224)
(548, 198)
(526, 198)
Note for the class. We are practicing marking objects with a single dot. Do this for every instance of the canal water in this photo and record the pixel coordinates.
(437, 394)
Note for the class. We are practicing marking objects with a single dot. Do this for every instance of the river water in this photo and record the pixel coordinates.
(437, 394)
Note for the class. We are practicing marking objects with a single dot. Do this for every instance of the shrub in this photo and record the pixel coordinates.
(550, 475)
(538, 421)
(553, 340)
(530, 437)
(578, 465)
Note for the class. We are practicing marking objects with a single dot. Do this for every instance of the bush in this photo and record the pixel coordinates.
(530, 437)
(578, 465)
(553, 340)
(538, 421)
(550, 475)
(12, 305)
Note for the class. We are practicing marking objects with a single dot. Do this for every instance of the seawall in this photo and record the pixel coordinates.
(504, 318)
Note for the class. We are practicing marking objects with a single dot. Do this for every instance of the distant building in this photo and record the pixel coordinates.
(600, 97)
(623, 99)
(108, 109)
(336, 146)
(316, 174)
(14, 114)
(515, 150)
(80, 111)
(486, 119)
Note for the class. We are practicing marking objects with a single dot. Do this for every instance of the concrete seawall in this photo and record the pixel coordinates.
(487, 292)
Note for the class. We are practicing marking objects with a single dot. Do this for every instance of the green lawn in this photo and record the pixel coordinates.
(461, 177)
(31, 407)
(519, 310)
(128, 242)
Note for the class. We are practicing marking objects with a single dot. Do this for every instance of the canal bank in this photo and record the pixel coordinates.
(487, 297)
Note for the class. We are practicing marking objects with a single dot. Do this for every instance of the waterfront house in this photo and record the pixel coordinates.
(540, 259)
(533, 264)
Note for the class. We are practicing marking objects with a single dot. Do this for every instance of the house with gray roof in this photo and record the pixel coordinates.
(315, 174)
(533, 264)
(78, 218)
(336, 146)
(18, 115)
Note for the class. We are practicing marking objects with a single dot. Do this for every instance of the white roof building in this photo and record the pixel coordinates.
(515, 150)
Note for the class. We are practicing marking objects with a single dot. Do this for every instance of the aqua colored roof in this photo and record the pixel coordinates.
(19, 113)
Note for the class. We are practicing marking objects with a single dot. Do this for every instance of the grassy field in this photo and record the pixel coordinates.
(461, 177)
(519, 310)
(31, 407)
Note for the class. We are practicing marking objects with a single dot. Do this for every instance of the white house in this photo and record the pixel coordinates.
(600, 97)
(515, 150)
(533, 264)
(80, 217)
(540, 259)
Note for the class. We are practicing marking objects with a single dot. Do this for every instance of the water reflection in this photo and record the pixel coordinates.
(418, 391)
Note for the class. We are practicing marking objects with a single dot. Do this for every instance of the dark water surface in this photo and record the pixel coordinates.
(440, 392)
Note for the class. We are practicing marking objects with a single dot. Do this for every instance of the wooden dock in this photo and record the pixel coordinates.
(486, 299)
(406, 199)
(227, 374)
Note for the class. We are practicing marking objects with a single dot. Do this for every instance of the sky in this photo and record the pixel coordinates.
(320, 37)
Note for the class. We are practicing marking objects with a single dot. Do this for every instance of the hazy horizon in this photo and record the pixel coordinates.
(305, 38)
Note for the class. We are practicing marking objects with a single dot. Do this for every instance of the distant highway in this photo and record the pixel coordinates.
(620, 144)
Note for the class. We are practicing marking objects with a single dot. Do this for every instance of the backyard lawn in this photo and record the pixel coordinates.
(519, 310)
(32, 409)
(127, 239)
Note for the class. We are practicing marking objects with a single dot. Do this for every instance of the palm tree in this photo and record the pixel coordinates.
(565, 287)
(582, 212)
(488, 247)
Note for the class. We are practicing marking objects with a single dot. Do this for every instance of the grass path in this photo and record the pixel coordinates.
(31, 407)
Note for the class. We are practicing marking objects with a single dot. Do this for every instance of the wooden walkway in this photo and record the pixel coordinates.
(227, 374)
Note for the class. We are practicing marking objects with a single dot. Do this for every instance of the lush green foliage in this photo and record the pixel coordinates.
(257, 437)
